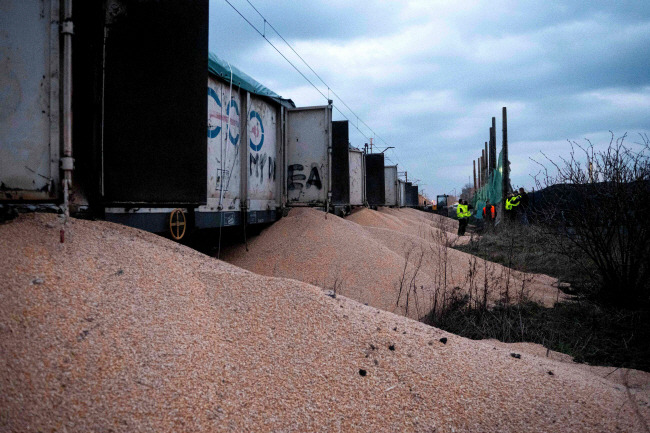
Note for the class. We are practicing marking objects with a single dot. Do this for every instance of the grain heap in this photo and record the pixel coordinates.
(416, 216)
(459, 269)
(332, 253)
(428, 226)
(120, 330)
(379, 259)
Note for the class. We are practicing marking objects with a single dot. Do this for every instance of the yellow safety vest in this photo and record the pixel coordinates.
(512, 202)
(460, 211)
(516, 200)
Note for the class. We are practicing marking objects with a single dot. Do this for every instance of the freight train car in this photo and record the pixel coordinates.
(142, 156)
(35, 94)
(166, 137)
(308, 146)
(133, 78)
(375, 192)
(402, 193)
(244, 152)
(357, 177)
(391, 186)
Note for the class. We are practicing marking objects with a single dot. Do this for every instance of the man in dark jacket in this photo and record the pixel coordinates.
(523, 206)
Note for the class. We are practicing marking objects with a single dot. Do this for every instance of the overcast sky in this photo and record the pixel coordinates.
(428, 76)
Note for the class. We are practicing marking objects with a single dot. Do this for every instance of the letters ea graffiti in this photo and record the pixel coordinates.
(295, 177)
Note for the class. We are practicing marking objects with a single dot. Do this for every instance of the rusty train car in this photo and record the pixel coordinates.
(105, 113)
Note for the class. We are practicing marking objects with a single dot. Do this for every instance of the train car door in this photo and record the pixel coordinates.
(309, 141)
(154, 130)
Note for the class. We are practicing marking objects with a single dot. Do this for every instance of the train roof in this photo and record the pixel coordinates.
(222, 69)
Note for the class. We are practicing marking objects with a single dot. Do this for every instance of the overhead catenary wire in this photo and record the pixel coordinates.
(276, 49)
(329, 89)
(263, 34)
(312, 70)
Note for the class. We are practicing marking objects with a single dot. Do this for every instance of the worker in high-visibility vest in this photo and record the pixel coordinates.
(489, 213)
(463, 214)
(460, 214)
(511, 203)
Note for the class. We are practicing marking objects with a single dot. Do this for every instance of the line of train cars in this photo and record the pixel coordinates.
(138, 99)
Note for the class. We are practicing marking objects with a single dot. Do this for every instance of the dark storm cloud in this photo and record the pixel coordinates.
(300, 20)
(428, 76)
(571, 61)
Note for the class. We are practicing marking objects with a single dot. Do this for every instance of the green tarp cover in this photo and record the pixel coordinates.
(491, 190)
(222, 69)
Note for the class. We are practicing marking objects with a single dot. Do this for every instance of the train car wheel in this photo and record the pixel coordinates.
(177, 224)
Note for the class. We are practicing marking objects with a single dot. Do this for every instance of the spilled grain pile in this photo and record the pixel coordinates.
(452, 268)
(119, 330)
(410, 221)
(335, 254)
(424, 218)
(402, 265)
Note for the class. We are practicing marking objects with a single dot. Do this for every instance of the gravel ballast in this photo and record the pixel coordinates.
(120, 330)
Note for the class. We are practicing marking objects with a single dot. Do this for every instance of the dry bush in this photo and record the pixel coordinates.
(478, 291)
(598, 202)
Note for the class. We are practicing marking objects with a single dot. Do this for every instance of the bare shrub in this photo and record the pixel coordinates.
(406, 285)
(598, 202)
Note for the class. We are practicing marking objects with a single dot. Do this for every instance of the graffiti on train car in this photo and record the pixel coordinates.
(296, 178)
(216, 117)
(234, 122)
(214, 122)
(256, 140)
(222, 174)
(224, 139)
(259, 161)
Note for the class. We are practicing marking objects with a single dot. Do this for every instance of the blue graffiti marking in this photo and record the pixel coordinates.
(235, 139)
(212, 133)
(256, 132)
